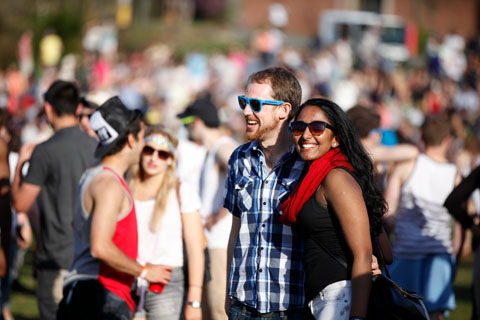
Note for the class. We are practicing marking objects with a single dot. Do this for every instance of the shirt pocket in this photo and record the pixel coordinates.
(286, 188)
(244, 187)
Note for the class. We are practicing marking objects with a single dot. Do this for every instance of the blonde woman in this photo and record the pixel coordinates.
(167, 214)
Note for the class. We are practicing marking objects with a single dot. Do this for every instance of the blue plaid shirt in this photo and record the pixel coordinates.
(266, 271)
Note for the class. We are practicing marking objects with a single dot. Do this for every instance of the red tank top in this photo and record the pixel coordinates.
(126, 239)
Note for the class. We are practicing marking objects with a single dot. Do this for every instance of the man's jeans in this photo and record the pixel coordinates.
(239, 311)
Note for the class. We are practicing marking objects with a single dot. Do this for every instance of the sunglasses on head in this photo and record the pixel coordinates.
(316, 127)
(148, 151)
(256, 104)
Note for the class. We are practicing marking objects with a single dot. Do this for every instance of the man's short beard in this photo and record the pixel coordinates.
(260, 133)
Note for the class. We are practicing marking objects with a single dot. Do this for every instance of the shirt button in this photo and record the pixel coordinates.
(266, 182)
(260, 270)
(263, 225)
(264, 203)
(261, 248)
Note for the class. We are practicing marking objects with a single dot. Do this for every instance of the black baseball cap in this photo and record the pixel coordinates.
(110, 122)
(204, 109)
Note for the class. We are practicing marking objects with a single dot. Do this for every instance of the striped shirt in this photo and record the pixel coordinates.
(266, 271)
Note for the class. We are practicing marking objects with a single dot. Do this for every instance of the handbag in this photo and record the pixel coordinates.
(387, 299)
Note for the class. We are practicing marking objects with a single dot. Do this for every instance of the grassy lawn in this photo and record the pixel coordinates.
(24, 306)
(462, 284)
(24, 303)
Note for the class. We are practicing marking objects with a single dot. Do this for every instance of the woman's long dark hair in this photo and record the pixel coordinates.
(352, 148)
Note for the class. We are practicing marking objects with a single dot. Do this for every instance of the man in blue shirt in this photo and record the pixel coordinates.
(266, 275)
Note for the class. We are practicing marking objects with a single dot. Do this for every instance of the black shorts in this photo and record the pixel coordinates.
(88, 299)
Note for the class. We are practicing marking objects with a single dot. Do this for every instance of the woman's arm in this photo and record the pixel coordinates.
(194, 243)
(344, 194)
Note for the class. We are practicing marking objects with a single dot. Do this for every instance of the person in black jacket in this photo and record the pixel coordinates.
(456, 205)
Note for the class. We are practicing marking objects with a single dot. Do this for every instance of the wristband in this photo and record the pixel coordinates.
(143, 274)
(195, 304)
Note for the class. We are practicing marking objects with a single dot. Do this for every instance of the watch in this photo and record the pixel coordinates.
(195, 304)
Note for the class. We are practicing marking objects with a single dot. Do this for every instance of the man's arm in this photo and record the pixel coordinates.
(213, 218)
(455, 202)
(108, 196)
(401, 152)
(23, 193)
(232, 241)
(4, 168)
(223, 155)
(393, 190)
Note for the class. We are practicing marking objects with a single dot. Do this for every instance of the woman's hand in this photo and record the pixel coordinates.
(158, 273)
(375, 267)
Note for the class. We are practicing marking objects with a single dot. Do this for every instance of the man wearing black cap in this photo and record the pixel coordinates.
(203, 124)
(56, 166)
(98, 283)
(204, 109)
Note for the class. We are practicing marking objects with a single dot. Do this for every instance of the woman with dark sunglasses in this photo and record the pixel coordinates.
(336, 207)
(167, 215)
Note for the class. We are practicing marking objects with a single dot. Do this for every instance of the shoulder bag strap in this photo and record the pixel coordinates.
(377, 243)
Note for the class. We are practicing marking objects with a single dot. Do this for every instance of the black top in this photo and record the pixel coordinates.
(319, 224)
(56, 166)
(455, 202)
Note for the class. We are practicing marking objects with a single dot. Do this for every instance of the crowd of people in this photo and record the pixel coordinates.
(203, 188)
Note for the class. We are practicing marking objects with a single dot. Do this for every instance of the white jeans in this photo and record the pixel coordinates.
(333, 302)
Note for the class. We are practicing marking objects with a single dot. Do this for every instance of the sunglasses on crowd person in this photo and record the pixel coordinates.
(149, 151)
(317, 128)
(256, 104)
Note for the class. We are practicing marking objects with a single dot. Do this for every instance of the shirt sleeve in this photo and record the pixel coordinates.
(38, 167)
(189, 198)
(229, 193)
(455, 202)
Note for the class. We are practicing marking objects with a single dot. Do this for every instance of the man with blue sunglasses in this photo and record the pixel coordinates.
(264, 255)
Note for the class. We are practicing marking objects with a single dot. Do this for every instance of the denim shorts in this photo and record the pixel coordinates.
(333, 302)
(430, 277)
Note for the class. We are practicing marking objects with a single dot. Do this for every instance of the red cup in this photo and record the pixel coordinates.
(156, 287)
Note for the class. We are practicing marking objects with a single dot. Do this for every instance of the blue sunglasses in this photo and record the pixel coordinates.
(256, 104)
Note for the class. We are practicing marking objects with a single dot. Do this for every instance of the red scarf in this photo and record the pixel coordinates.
(306, 188)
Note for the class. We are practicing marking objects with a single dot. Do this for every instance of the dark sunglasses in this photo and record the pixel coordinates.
(148, 151)
(82, 115)
(316, 127)
(256, 104)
